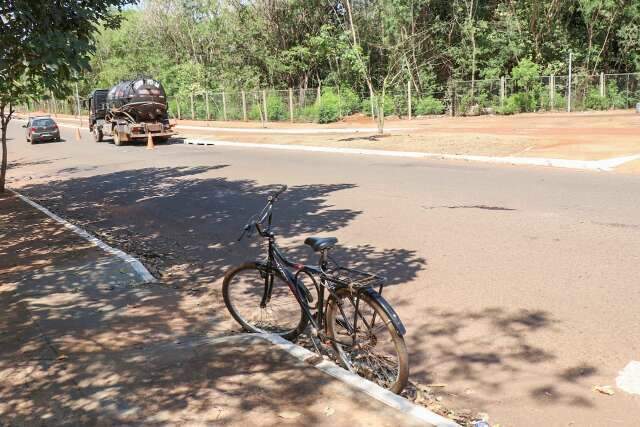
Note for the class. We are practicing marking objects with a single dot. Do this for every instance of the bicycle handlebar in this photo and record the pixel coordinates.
(263, 216)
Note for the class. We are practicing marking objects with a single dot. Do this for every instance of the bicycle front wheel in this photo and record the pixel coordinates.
(246, 294)
(366, 341)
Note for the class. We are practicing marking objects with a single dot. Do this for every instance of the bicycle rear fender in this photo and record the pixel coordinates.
(395, 319)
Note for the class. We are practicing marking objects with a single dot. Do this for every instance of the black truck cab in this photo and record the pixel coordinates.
(97, 111)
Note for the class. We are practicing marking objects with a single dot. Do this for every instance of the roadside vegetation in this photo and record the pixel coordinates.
(366, 55)
(44, 48)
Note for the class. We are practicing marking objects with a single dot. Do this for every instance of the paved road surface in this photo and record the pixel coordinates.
(518, 286)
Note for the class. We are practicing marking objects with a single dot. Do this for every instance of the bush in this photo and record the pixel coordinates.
(616, 98)
(428, 105)
(254, 112)
(559, 101)
(276, 109)
(511, 106)
(388, 105)
(349, 101)
(308, 113)
(594, 101)
(329, 108)
(527, 101)
(400, 107)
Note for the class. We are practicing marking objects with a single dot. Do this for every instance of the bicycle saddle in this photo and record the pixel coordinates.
(320, 243)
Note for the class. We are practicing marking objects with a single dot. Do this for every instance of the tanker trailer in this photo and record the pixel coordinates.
(130, 111)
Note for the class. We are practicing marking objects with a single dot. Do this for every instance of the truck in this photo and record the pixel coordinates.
(132, 110)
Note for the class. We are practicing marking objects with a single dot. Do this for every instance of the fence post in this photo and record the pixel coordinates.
(626, 94)
(409, 98)
(264, 105)
(552, 92)
(569, 83)
(602, 84)
(502, 88)
(193, 111)
(452, 89)
(244, 106)
(206, 101)
(178, 107)
(339, 104)
(224, 106)
(291, 105)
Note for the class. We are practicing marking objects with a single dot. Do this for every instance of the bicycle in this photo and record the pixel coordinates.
(354, 324)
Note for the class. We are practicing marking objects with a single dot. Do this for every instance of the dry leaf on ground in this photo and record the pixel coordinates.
(289, 415)
(604, 389)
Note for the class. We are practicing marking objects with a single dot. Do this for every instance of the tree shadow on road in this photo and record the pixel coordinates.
(72, 355)
(495, 351)
(184, 222)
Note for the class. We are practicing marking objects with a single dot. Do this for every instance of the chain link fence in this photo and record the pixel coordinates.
(548, 93)
(491, 96)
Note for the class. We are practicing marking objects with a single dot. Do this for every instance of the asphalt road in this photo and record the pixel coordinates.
(518, 286)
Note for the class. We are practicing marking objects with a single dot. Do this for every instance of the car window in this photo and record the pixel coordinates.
(43, 122)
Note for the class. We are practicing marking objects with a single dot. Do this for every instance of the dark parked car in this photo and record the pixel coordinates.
(42, 129)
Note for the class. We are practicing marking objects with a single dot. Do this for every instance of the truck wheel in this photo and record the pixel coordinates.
(97, 134)
(116, 139)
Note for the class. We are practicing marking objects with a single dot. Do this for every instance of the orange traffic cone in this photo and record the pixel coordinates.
(78, 136)
(150, 145)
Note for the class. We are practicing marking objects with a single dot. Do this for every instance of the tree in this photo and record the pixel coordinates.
(46, 45)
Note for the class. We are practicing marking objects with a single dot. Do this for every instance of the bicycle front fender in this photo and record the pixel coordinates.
(395, 319)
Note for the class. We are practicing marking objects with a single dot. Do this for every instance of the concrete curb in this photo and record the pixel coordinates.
(385, 396)
(135, 264)
(594, 165)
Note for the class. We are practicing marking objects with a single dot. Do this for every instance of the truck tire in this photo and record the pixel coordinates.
(116, 138)
(97, 134)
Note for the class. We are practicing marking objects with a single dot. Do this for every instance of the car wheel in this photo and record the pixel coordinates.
(97, 135)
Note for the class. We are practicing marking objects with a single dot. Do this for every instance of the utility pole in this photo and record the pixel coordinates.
(569, 83)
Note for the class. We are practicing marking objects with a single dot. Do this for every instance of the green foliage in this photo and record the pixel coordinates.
(309, 113)
(329, 108)
(276, 108)
(255, 112)
(349, 101)
(594, 101)
(559, 101)
(429, 105)
(388, 105)
(45, 45)
(511, 106)
(616, 97)
(526, 73)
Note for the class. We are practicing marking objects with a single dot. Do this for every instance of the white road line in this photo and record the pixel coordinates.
(137, 266)
(628, 379)
(596, 165)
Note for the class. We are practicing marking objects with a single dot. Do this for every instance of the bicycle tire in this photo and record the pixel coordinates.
(289, 325)
(346, 355)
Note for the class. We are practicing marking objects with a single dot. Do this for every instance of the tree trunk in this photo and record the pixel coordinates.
(3, 168)
(381, 110)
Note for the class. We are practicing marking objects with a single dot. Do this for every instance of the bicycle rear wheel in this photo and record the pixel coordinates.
(243, 290)
(373, 349)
